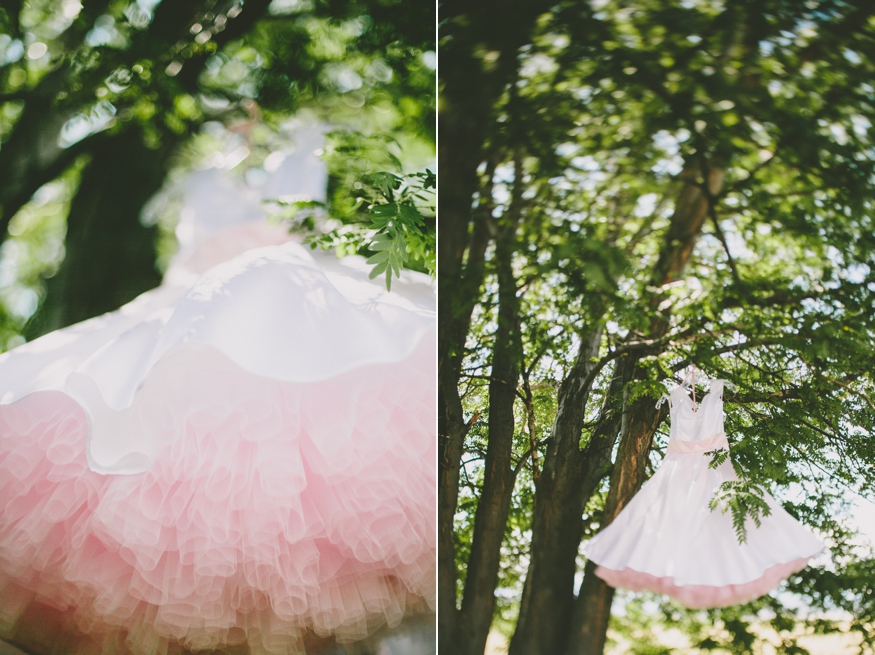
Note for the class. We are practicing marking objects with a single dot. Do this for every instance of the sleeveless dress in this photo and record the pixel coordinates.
(668, 540)
(243, 455)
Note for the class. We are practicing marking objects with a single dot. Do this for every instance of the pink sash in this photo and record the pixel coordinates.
(702, 446)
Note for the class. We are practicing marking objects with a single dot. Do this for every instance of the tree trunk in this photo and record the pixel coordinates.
(110, 256)
(570, 476)
(592, 609)
(594, 599)
(556, 524)
(467, 102)
(463, 121)
(452, 332)
(31, 156)
(640, 421)
(548, 595)
(471, 87)
(493, 506)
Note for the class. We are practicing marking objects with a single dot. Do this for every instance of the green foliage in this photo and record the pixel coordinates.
(397, 217)
(401, 228)
(79, 75)
(34, 247)
(614, 103)
(718, 457)
(745, 500)
(645, 388)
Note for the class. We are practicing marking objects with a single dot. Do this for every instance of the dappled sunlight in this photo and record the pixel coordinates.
(652, 186)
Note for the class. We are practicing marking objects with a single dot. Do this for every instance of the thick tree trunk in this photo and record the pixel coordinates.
(594, 599)
(548, 595)
(592, 609)
(570, 475)
(470, 90)
(463, 122)
(110, 255)
(493, 506)
(31, 156)
(556, 523)
(452, 427)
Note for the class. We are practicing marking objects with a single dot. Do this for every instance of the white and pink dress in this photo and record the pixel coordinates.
(668, 540)
(243, 455)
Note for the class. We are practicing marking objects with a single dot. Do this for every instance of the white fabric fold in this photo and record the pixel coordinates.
(281, 312)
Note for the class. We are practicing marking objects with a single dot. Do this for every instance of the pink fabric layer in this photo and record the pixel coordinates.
(703, 596)
(703, 446)
(276, 508)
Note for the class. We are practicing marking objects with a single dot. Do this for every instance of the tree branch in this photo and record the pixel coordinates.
(712, 214)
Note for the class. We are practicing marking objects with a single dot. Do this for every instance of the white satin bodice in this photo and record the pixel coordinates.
(700, 423)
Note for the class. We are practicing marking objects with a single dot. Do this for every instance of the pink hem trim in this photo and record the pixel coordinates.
(702, 446)
(703, 596)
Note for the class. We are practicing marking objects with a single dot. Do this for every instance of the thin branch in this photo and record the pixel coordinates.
(735, 347)
(488, 378)
(741, 184)
(12, 97)
(647, 224)
(712, 213)
(839, 383)
(472, 421)
(529, 402)
(766, 372)
(793, 194)
(814, 464)
(852, 390)
(519, 465)
(468, 483)
(776, 298)
(678, 338)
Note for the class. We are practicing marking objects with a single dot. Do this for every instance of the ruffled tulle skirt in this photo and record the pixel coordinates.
(668, 540)
(216, 492)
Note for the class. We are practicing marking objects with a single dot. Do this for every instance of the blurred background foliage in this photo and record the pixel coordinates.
(103, 103)
(629, 188)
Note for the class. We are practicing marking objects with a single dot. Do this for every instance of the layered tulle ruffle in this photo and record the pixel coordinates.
(246, 459)
(703, 596)
(274, 509)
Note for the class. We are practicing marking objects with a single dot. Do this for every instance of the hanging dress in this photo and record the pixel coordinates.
(668, 540)
(243, 455)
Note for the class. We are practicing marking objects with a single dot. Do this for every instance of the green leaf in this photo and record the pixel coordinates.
(410, 214)
(385, 211)
(379, 257)
(379, 268)
(386, 182)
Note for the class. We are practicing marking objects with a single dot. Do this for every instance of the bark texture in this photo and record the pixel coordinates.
(471, 87)
(556, 523)
(592, 609)
(452, 427)
(494, 504)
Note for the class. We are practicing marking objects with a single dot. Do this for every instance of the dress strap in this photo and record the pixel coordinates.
(670, 397)
(717, 388)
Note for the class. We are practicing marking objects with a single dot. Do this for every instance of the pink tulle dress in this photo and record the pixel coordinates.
(668, 540)
(244, 455)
